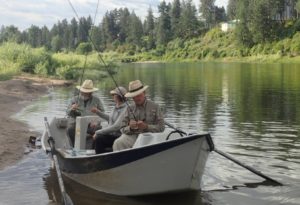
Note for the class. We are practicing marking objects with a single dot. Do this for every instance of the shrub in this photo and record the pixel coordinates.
(84, 48)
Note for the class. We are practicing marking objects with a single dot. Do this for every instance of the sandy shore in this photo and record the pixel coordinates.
(15, 94)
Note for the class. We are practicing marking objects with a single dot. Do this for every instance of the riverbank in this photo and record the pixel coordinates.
(15, 95)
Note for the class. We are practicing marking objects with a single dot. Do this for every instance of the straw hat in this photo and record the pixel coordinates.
(87, 87)
(121, 91)
(136, 87)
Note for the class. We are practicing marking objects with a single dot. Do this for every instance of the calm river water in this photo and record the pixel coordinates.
(251, 110)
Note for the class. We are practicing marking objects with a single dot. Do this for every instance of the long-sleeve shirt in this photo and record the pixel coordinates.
(149, 112)
(84, 107)
(114, 120)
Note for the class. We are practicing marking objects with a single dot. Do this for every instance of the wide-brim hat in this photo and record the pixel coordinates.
(87, 87)
(135, 88)
(120, 91)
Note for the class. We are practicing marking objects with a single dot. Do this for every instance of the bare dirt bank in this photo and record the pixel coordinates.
(15, 94)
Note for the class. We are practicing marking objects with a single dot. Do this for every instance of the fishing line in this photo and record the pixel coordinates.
(103, 62)
(85, 61)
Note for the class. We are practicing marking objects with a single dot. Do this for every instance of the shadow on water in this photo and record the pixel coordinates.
(81, 194)
(254, 185)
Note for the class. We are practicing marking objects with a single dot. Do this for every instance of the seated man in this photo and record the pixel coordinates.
(143, 116)
(84, 104)
(105, 137)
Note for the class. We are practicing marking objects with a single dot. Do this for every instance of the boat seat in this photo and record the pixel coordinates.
(80, 130)
(149, 138)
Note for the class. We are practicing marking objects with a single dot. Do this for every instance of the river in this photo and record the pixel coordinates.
(252, 112)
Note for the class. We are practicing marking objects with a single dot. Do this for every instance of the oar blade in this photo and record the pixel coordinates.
(247, 167)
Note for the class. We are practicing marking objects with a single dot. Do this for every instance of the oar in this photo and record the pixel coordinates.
(234, 160)
(66, 198)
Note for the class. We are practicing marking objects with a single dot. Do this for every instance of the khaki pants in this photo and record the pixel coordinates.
(124, 142)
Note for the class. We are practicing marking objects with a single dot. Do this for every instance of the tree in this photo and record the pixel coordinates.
(262, 21)
(83, 29)
(73, 27)
(207, 9)
(243, 34)
(164, 24)
(220, 14)
(123, 24)
(10, 33)
(149, 30)
(96, 36)
(45, 37)
(298, 6)
(34, 36)
(175, 14)
(188, 23)
(56, 43)
(232, 9)
(135, 30)
(66, 33)
(109, 27)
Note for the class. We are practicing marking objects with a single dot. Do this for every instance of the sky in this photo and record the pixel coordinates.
(24, 13)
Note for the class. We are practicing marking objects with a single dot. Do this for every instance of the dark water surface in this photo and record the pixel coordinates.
(251, 110)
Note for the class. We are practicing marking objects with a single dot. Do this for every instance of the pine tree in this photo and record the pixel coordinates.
(232, 9)
(189, 23)
(175, 14)
(164, 24)
(123, 24)
(135, 30)
(73, 27)
(46, 38)
(207, 10)
(149, 28)
(34, 36)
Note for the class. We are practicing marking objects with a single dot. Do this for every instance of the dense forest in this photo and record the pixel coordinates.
(173, 34)
(121, 29)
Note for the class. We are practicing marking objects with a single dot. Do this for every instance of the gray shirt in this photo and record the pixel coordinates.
(114, 120)
(149, 112)
(84, 107)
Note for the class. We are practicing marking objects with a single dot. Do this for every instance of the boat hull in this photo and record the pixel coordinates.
(157, 163)
(173, 166)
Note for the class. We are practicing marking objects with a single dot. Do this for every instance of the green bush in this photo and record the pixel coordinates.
(84, 48)
(67, 72)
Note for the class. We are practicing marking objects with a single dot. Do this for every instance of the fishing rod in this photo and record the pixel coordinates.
(85, 61)
(82, 74)
(66, 199)
(106, 66)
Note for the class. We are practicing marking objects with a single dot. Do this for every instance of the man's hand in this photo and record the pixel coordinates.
(95, 110)
(74, 106)
(133, 125)
(142, 125)
(94, 136)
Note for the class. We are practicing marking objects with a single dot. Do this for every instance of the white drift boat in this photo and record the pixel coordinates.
(158, 162)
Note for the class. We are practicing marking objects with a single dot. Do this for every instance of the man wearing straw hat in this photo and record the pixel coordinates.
(84, 104)
(142, 116)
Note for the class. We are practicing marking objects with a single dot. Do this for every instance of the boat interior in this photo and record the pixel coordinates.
(82, 146)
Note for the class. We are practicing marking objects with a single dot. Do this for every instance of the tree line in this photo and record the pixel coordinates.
(258, 21)
(119, 28)
(261, 21)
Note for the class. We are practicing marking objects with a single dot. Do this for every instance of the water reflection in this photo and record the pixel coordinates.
(251, 110)
(83, 195)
